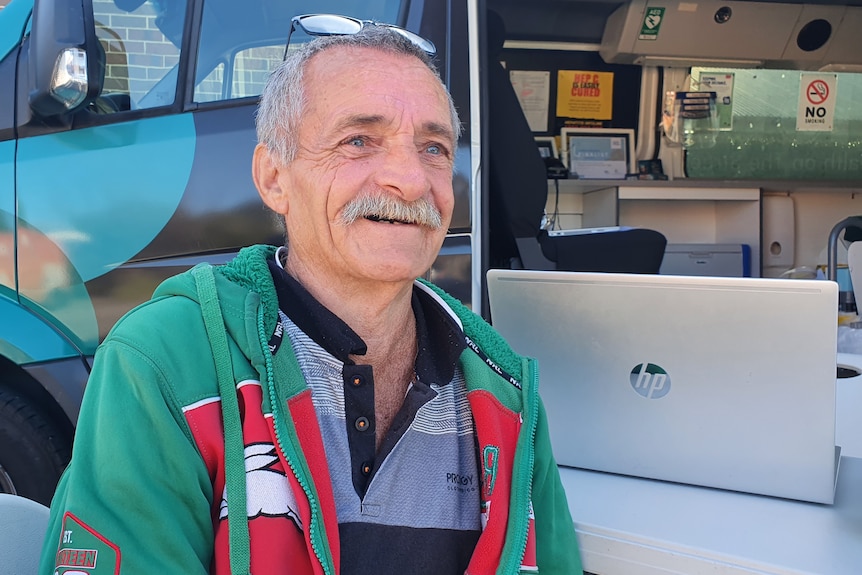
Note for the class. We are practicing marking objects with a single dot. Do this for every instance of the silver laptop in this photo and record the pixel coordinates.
(720, 382)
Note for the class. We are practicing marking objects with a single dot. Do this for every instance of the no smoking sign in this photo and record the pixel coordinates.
(816, 102)
(818, 92)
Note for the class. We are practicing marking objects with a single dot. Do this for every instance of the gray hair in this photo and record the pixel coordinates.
(284, 99)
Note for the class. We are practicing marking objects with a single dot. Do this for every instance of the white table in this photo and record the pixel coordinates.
(632, 526)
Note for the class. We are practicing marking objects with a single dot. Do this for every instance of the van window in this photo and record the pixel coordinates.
(248, 73)
(760, 138)
(141, 40)
(241, 43)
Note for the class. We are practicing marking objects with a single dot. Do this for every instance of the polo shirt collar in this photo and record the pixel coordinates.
(440, 338)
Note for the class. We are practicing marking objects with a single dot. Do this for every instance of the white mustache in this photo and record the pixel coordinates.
(382, 206)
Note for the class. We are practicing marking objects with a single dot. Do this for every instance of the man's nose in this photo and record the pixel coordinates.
(403, 172)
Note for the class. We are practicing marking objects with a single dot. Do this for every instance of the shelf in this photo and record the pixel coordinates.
(587, 186)
(688, 193)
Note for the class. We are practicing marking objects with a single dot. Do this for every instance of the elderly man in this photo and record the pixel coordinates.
(313, 408)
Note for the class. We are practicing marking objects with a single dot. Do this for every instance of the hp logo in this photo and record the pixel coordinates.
(650, 380)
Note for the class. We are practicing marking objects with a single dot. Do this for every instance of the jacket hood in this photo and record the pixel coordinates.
(247, 275)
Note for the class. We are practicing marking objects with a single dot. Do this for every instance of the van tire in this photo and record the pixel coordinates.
(33, 453)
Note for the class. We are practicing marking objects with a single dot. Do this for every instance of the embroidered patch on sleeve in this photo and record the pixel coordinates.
(83, 551)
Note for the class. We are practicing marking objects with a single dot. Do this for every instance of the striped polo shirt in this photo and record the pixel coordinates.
(414, 505)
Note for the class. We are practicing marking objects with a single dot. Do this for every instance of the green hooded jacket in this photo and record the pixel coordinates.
(185, 380)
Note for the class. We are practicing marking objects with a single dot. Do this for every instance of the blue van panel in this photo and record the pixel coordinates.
(25, 338)
(13, 21)
(7, 214)
(118, 187)
(115, 201)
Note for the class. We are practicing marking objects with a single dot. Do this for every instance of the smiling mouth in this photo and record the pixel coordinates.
(380, 219)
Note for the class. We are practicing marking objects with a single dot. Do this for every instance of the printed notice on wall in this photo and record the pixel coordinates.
(585, 95)
(534, 93)
(817, 93)
(722, 85)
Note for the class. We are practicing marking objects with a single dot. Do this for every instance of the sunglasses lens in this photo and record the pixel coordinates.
(337, 25)
(328, 24)
(426, 45)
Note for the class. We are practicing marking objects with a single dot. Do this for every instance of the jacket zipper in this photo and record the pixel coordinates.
(277, 422)
(523, 501)
(312, 500)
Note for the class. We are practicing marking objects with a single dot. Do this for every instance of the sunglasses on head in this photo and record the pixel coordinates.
(337, 25)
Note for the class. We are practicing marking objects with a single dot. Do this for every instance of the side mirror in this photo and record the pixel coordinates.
(66, 59)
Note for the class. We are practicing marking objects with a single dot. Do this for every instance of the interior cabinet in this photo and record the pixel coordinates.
(684, 213)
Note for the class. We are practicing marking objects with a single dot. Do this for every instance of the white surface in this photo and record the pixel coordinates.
(644, 527)
(674, 193)
(778, 231)
(848, 411)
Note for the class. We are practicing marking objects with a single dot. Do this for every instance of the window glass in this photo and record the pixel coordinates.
(141, 40)
(760, 138)
(251, 69)
(246, 40)
(209, 89)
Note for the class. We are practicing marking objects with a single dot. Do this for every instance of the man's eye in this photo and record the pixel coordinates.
(357, 141)
(435, 149)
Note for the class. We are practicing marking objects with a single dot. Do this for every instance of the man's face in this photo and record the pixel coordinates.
(379, 124)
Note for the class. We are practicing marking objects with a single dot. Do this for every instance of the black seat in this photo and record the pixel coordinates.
(635, 250)
(517, 176)
(518, 192)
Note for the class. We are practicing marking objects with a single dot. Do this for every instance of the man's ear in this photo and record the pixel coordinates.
(265, 172)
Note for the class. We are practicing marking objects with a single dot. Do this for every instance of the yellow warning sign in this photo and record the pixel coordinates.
(587, 95)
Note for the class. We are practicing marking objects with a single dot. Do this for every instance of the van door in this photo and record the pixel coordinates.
(10, 40)
(96, 188)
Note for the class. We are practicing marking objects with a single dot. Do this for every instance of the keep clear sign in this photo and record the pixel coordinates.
(817, 94)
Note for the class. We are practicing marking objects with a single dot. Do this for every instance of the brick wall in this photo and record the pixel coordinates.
(137, 53)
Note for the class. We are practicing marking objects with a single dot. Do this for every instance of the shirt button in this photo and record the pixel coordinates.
(361, 423)
(366, 468)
